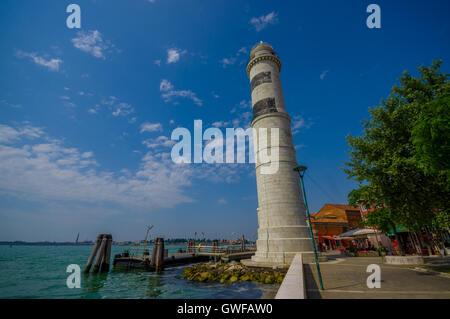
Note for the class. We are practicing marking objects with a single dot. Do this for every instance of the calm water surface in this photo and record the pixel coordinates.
(40, 272)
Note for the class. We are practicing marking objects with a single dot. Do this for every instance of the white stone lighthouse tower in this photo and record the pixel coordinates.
(282, 228)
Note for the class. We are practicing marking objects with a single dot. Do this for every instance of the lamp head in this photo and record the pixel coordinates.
(300, 169)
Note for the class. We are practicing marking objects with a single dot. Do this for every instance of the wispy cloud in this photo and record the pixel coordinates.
(37, 167)
(263, 21)
(15, 106)
(51, 171)
(9, 134)
(117, 108)
(50, 63)
(123, 109)
(160, 141)
(151, 127)
(220, 124)
(174, 54)
(228, 61)
(168, 93)
(324, 74)
(298, 122)
(237, 57)
(92, 42)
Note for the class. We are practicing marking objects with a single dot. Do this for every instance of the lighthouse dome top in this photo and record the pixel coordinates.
(261, 48)
(262, 52)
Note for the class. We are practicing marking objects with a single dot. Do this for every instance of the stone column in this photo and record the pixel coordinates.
(282, 228)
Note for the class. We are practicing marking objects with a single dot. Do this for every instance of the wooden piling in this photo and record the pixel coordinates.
(93, 253)
(243, 243)
(215, 245)
(158, 254)
(191, 246)
(100, 255)
(106, 258)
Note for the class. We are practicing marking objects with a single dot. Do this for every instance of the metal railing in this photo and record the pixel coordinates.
(139, 251)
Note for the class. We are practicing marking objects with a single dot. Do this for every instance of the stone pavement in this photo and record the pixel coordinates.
(345, 278)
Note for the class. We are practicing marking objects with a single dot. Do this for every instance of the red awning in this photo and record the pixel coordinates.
(328, 237)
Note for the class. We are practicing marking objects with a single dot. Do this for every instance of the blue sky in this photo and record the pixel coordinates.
(86, 114)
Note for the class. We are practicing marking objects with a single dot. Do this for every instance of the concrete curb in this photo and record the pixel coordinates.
(293, 285)
(442, 274)
(403, 260)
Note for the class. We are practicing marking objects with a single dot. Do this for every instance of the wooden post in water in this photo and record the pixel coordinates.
(100, 255)
(106, 258)
(93, 253)
(215, 247)
(159, 254)
(243, 243)
(191, 246)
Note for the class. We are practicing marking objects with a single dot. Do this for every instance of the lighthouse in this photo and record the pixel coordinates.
(282, 228)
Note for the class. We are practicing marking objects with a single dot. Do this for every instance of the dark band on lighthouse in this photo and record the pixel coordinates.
(260, 78)
(264, 106)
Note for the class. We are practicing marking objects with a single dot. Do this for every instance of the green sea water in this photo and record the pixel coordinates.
(40, 272)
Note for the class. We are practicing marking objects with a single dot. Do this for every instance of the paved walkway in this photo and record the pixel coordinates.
(345, 277)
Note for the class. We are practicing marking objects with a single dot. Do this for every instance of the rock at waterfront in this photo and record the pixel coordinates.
(232, 272)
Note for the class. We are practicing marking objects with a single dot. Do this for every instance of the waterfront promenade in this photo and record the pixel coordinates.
(345, 278)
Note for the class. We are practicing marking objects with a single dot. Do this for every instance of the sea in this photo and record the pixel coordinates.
(32, 271)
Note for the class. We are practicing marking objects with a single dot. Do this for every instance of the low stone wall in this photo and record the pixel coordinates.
(293, 285)
(403, 260)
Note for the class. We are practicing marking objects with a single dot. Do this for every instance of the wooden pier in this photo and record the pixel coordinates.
(141, 258)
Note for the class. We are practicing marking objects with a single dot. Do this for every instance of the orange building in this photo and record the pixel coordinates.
(332, 220)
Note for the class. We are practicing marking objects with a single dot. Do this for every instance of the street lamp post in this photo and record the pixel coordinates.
(301, 172)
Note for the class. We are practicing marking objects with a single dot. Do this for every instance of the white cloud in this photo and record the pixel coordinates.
(323, 74)
(50, 63)
(16, 106)
(242, 50)
(92, 42)
(222, 201)
(227, 61)
(232, 60)
(158, 62)
(169, 93)
(110, 101)
(298, 122)
(165, 86)
(264, 20)
(161, 141)
(35, 167)
(50, 171)
(220, 124)
(9, 134)
(123, 109)
(87, 154)
(150, 127)
(95, 109)
(173, 55)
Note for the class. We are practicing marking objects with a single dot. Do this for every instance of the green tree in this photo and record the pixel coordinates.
(401, 160)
